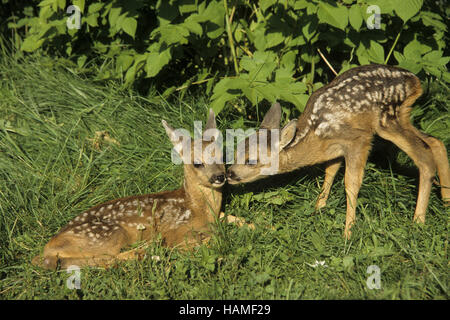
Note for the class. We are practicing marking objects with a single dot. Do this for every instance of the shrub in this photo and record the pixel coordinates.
(259, 50)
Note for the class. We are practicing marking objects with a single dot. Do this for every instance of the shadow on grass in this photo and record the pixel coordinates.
(384, 155)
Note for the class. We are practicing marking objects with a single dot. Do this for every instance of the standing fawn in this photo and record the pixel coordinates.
(339, 122)
(181, 217)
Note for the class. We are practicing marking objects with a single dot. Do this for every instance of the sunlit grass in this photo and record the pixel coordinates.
(53, 165)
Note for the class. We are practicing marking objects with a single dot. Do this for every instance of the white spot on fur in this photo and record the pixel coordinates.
(401, 93)
(140, 227)
(184, 217)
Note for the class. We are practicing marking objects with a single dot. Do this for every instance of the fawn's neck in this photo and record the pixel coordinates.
(203, 201)
(308, 151)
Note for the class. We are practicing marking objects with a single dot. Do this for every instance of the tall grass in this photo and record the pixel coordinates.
(53, 166)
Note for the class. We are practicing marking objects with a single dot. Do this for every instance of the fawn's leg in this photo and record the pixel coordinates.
(420, 152)
(236, 220)
(440, 159)
(67, 248)
(331, 170)
(355, 156)
(355, 162)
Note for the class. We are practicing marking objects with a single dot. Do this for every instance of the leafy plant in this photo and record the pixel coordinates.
(257, 50)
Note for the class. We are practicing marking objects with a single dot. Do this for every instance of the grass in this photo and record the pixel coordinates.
(52, 168)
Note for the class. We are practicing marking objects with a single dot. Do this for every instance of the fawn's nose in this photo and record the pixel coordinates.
(231, 175)
(219, 178)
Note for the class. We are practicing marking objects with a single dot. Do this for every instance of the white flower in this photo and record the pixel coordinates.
(317, 263)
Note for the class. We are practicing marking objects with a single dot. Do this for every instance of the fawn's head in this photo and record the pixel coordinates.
(202, 157)
(260, 150)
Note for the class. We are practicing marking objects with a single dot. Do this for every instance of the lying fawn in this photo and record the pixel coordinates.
(339, 122)
(182, 217)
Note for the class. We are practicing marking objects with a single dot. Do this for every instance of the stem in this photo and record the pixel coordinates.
(326, 61)
(393, 46)
(230, 37)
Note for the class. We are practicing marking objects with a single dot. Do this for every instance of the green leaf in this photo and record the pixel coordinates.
(114, 14)
(45, 3)
(412, 65)
(193, 27)
(219, 103)
(171, 34)
(355, 17)
(265, 4)
(129, 25)
(363, 56)
(406, 9)
(432, 19)
(167, 12)
(91, 20)
(95, 7)
(123, 62)
(79, 3)
(274, 39)
(413, 50)
(62, 4)
(81, 61)
(376, 52)
(435, 58)
(337, 16)
(187, 6)
(385, 6)
(32, 43)
(156, 61)
(309, 27)
(300, 4)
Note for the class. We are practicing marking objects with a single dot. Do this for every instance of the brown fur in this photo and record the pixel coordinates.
(182, 217)
(339, 122)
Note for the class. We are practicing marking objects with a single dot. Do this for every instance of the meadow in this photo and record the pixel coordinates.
(68, 143)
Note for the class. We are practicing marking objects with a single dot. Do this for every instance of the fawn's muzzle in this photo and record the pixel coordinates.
(232, 176)
(217, 179)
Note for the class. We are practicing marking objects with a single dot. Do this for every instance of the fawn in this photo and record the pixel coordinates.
(182, 217)
(339, 122)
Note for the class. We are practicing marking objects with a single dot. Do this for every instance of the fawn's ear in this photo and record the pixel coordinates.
(180, 138)
(170, 131)
(272, 118)
(288, 133)
(211, 133)
(211, 123)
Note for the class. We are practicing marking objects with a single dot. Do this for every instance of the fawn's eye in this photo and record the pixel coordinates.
(198, 165)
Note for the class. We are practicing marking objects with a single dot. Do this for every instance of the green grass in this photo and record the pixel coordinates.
(50, 172)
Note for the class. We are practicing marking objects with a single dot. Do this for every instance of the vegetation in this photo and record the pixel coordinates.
(80, 123)
(257, 50)
(53, 166)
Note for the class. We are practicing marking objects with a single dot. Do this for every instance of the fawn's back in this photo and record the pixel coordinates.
(374, 92)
